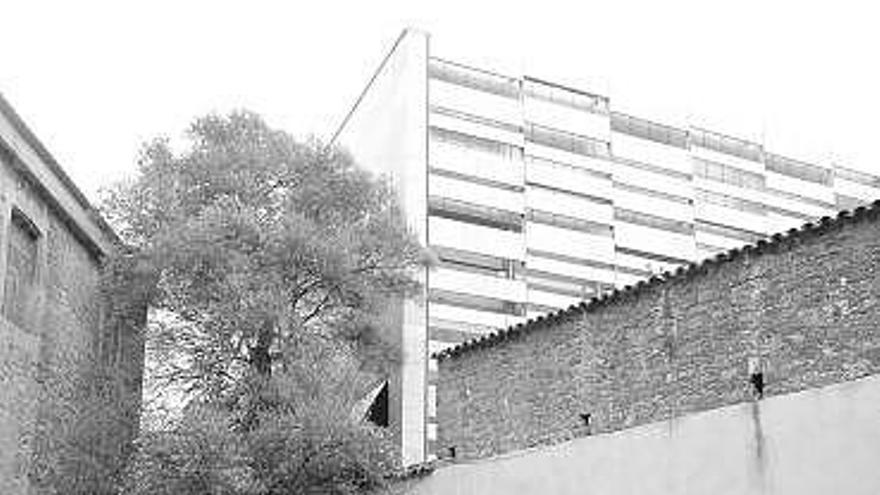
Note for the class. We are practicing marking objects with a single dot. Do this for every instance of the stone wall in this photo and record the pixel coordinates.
(803, 310)
(69, 374)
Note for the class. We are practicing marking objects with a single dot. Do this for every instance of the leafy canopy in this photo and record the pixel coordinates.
(256, 242)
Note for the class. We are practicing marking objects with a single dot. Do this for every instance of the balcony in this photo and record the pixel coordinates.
(471, 192)
(476, 238)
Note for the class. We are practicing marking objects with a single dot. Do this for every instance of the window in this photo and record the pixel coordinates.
(728, 231)
(798, 170)
(483, 264)
(378, 411)
(567, 222)
(473, 78)
(653, 221)
(856, 176)
(475, 119)
(462, 211)
(563, 284)
(21, 269)
(560, 95)
(720, 172)
(566, 141)
(646, 129)
(473, 301)
(726, 144)
(731, 202)
(475, 143)
(622, 186)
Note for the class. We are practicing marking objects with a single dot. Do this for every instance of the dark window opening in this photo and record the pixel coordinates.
(485, 216)
(21, 268)
(451, 451)
(378, 412)
(587, 420)
(757, 380)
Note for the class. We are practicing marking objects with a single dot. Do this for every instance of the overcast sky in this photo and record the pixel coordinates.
(95, 79)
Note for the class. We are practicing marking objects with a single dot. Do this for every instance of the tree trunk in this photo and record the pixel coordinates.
(261, 360)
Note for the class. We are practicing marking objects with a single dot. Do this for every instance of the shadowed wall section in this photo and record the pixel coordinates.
(70, 366)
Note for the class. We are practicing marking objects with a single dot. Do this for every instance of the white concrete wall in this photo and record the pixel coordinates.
(387, 133)
(819, 441)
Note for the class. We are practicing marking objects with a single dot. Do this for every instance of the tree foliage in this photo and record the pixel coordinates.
(262, 253)
(257, 240)
(306, 441)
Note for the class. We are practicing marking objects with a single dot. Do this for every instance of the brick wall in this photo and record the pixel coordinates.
(69, 375)
(803, 309)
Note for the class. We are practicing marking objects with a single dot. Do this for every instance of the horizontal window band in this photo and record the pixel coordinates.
(623, 186)
(726, 174)
(728, 201)
(469, 141)
(477, 79)
(479, 264)
(585, 262)
(562, 292)
(647, 167)
(486, 216)
(713, 228)
(450, 335)
(451, 174)
(728, 145)
(646, 129)
(797, 197)
(475, 269)
(566, 222)
(472, 301)
(566, 141)
(790, 213)
(594, 173)
(569, 89)
(472, 328)
(653, 221)
(710, 247)
(469, 257)
(541, 308)
(579, 99)
(593, 199)
(476, 119)
(862, 178)
(798, 169)
(482, 71)
(651, 256)
(531, 274)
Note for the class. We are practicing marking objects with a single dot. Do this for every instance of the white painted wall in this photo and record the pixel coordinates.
(568, 119)
(819, 441)
(387, 133)
(475, 102)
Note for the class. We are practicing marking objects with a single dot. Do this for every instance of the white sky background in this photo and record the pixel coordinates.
(94, 79)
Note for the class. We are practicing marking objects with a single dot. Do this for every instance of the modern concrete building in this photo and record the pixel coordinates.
(536, 196)
(70, 374)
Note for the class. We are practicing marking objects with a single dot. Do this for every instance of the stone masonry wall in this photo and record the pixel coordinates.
(69, 384)
(802, 309)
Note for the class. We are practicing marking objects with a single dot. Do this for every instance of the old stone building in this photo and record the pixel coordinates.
(70, 374)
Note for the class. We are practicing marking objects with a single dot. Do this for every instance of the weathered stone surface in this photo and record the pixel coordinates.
(69, 375)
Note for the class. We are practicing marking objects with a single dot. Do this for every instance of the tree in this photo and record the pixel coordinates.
(263, 253)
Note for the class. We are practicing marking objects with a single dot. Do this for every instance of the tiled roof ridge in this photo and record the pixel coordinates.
(770, 244)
